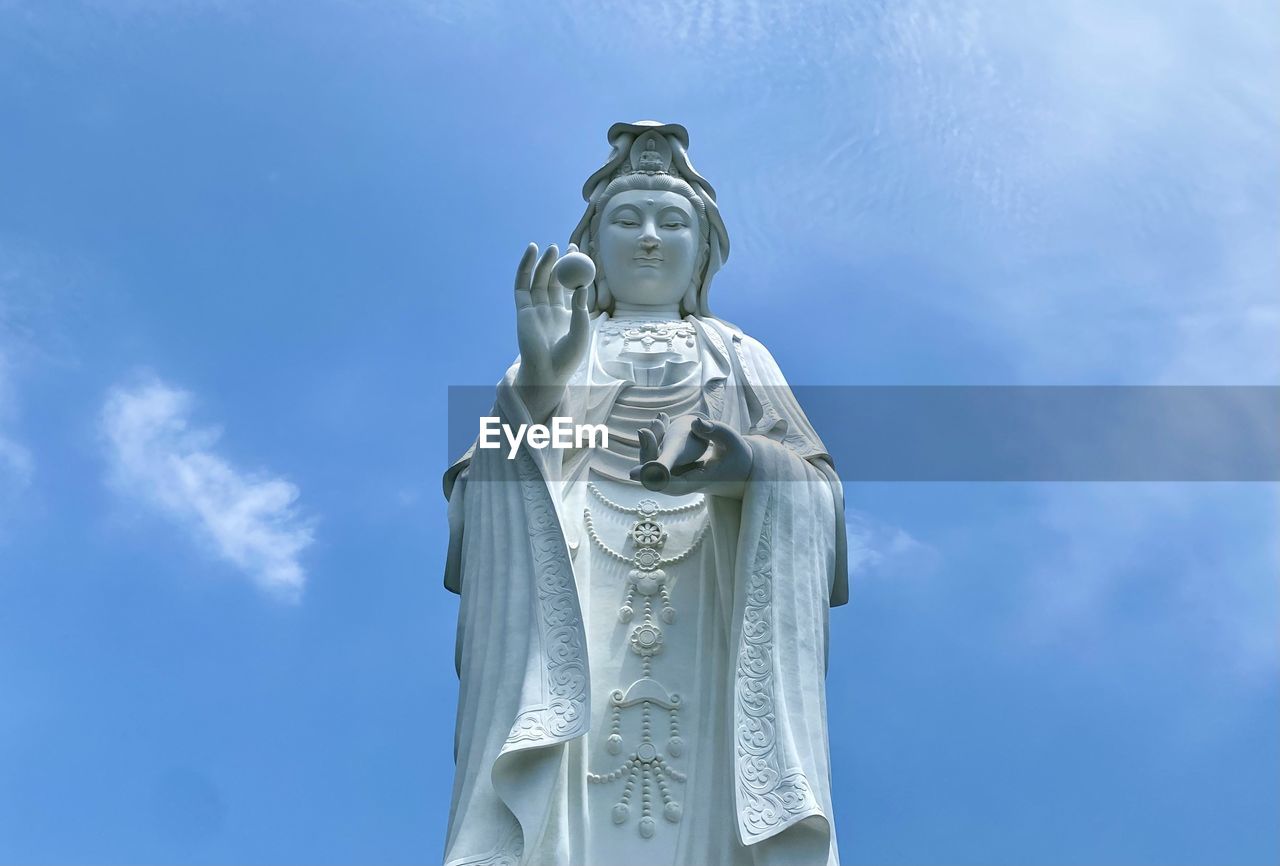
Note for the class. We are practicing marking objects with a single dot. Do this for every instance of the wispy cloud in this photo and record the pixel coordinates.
(877, 548)
(160, 458)
(1192, 564)
(1101, 190)
(39, 297)
(16, 464)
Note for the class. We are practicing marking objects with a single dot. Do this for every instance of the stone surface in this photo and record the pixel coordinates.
(642, 670)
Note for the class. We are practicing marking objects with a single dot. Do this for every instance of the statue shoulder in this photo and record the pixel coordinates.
(756, 348)
(750, 351)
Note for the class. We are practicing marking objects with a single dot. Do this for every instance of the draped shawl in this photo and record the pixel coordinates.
(522, 651)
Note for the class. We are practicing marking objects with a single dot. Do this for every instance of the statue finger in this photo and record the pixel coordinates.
(523, 276)
(716, 432)
(648, 445)
(556, 293)
(659, 425)
(568, 351)
(542, 274)
(568, 296)
(579, 318)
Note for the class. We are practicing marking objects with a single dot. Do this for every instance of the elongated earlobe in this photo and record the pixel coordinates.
(599, 298)
(689, 303)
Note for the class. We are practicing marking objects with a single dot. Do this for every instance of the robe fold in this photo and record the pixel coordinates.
(522, 652)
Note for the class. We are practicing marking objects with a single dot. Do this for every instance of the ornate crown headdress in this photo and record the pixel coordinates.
(653, 148)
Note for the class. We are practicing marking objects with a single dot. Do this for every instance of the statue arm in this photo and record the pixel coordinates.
(455, 484)
(782, 420)
(513, 409)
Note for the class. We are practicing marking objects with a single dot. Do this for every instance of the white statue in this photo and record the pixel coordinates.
(642, 673)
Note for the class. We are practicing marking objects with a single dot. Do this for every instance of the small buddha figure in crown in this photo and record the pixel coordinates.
(650, 159)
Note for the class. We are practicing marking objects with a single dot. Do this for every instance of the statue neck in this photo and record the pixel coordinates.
(662, 312)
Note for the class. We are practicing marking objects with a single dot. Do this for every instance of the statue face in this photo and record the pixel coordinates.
(647, 246)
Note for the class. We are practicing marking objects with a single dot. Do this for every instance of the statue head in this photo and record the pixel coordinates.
(651, 225)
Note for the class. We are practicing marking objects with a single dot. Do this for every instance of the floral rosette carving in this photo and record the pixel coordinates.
(646, 640)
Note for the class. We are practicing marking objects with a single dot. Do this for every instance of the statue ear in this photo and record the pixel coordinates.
(599, 298)
(689, 303)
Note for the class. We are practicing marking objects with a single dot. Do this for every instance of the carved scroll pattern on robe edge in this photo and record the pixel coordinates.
(564, 674)
(770, 795)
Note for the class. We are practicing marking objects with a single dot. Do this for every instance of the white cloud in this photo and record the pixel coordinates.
(1134, 144)
(1193, 564)
(38, 297)
(16, 464)
(882, 549)
(1097, 181)
(158, 457)
(16, 469)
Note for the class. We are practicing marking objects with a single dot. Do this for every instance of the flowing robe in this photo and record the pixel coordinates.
(525, 702)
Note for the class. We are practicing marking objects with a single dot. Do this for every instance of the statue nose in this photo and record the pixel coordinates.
(649, 242)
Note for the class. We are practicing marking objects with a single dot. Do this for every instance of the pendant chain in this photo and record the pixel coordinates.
(647, 507)
(637, 560)
(647, 588)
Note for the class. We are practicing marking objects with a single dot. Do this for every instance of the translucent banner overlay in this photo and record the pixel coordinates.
(1012, 433)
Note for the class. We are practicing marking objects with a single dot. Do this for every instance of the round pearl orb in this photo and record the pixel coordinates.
(574, 270)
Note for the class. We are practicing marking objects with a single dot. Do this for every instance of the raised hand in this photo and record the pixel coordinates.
(552, 330)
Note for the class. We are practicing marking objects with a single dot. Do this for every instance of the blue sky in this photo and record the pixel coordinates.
(245, 248)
